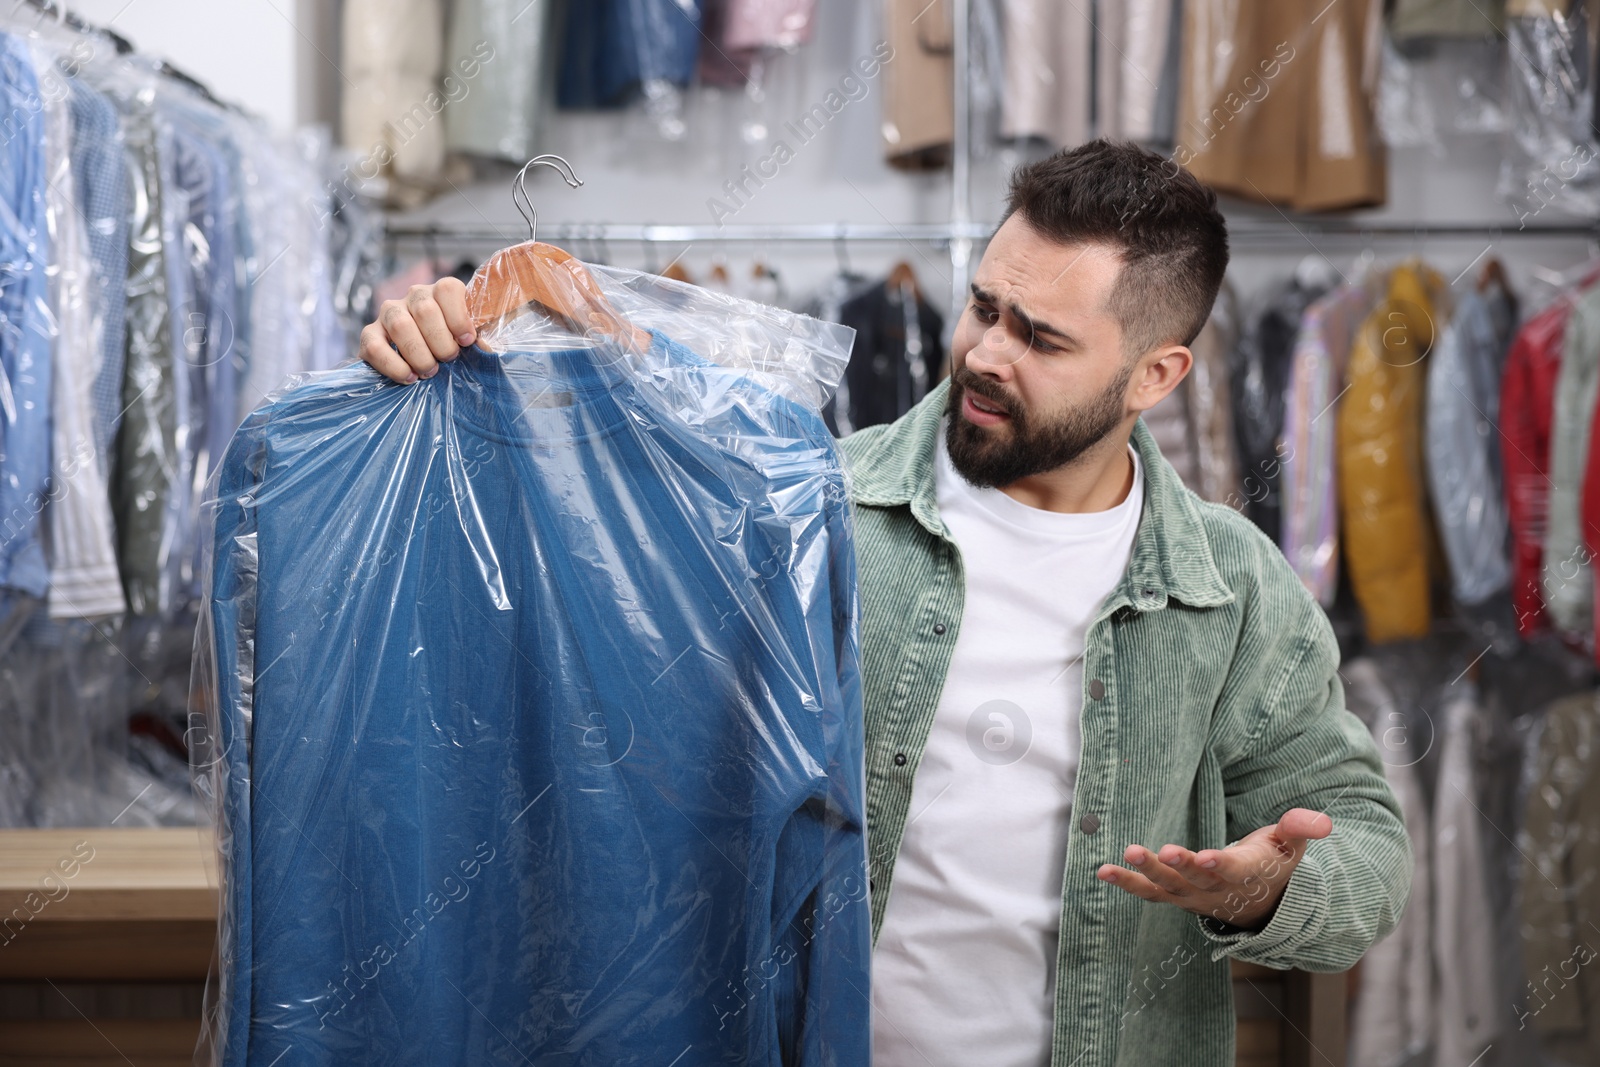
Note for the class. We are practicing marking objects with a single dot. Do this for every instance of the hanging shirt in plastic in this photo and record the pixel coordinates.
(1261, 365)
(494, 72)
(1309, 533)
(1527, 409)
(1550, 157)
(148, 445)
(391, 60)
(827, 304)
(1193, 425)
(1132, 38)
(1210, 405)
(612, 49)
(1383, 507)
(1560, 878)
(1047, 93)
(918, 73)
(101, 175)
(768, 23)
(539, 706)
(1170, 424)
(1277, 101)
(1463, 448)
(1567, 575)
(25, 330)
(897, 352)
(1463, 927)
(1393, 1017)
(79, 543)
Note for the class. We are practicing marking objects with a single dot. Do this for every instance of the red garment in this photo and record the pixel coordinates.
(1589, 510)
(1527, 408)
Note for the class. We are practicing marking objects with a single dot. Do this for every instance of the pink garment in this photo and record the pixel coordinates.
(395, 286)
(767, 23)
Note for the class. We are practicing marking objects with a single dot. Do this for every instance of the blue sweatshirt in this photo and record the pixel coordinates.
(541, 720)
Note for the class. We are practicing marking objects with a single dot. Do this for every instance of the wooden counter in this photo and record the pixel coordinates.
(139, 905)
(106, 904)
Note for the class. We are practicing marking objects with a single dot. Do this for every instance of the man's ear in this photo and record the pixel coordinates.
(1157, 374)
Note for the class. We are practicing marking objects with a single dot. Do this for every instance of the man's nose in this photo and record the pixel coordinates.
(997, 351)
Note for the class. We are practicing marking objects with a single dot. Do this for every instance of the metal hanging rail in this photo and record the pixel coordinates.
(696, 233)
(942, 233)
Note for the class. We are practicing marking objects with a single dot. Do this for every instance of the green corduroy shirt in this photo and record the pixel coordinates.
(1212, 705)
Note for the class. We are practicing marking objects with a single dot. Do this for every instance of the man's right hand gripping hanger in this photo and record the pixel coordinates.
(544, 275)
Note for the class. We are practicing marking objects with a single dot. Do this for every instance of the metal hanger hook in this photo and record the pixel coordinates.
(519, 187)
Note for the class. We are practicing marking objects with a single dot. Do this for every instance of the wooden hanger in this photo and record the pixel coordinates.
(901, 276)
(677, 272)
(1493, 273)
(536, 273)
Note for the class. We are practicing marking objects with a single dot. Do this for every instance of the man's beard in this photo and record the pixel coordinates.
(992, 457)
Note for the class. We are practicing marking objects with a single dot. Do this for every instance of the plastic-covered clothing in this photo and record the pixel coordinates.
(1560, 904)
(1567, 577)
(1277, 101)
(148, 458)
(494, 75)
(1393, 1015)
(1210, 405)
(1463, 927)
(1463, 449)
(1047, 92)
(1527, 409)
(539, 707)
(897, 352)
(1550, 157)
(613, 49)
(768, 23)
(1194, 423)
(25, 329)
(101, 176)
(1133, 64)
(918, 77)
(1382, 499)
(79, 543)
(1310, 517)
(1169, 424)
(391, 59)
(1261, 364)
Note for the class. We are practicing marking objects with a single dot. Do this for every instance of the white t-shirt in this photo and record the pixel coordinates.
(964, 969)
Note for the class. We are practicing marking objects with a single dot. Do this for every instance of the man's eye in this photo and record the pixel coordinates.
(1043, 346)
(986, 314)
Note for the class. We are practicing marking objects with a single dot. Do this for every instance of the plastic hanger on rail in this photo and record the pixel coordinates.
(541, 274)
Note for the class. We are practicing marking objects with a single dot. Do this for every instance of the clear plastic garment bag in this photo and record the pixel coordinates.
(535, 722)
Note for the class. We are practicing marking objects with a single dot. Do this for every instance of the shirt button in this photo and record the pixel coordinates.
(1089, 823)
(899, 759)
(938, 628)
(1097, 689)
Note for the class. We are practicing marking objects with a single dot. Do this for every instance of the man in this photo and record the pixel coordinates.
(1081, 681)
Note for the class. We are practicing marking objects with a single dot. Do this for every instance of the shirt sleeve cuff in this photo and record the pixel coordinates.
(1299, 915)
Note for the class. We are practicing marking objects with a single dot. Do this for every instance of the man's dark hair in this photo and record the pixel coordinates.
(1164, 222)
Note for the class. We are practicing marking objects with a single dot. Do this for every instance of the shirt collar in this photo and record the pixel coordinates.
(892, 466)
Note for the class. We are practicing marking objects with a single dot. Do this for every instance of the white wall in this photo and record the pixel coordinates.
(251, 52)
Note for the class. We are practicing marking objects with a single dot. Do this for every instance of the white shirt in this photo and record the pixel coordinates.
(964, 969)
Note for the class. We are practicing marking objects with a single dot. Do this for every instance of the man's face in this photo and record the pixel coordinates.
(1038, 374)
